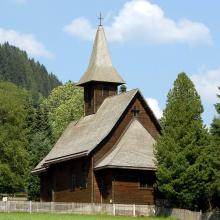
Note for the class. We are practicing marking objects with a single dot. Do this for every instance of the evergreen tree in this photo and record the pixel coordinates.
(64, 104)
(14, 160)
(214, 154)
(40, 143)
(215, 126)
(16, 67)
(178, 149)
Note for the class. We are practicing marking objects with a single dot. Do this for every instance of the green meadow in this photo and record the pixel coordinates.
(27, 216)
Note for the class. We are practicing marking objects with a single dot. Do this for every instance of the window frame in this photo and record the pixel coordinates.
(143, 183)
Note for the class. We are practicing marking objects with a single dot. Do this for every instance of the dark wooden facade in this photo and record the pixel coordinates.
(106, 185)
(82, 179)
(95, 93)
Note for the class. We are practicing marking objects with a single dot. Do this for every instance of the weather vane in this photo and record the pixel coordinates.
(100, 19)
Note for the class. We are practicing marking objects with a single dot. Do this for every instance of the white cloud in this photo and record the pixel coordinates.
(80, 27)
(26, 42)
(207, 83)
(154, 105)
(142, 21)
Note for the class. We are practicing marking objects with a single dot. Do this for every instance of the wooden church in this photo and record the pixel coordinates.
(106, 156)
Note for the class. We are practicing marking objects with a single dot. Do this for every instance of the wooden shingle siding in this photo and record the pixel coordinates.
(100, 66)
(140, 196)
(122, 124)
(80, 138)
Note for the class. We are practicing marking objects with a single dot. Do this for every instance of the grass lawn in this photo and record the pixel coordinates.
(27, 216)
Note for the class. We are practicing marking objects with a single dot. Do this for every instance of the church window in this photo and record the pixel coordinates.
(79, 178)
(145, 182)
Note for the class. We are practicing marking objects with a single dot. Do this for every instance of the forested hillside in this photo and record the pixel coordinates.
(16, 67)
(27, 116)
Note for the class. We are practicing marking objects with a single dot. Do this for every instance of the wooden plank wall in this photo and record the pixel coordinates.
(61, 175)
(126, 188)
(95, 94)
(111, 140)
(46, 186)
(120, 127)
(101, 92)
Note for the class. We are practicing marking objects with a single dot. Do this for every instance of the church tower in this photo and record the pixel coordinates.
(101, 79)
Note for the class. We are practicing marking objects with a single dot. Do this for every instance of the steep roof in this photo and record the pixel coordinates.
(82, 137)
(134, 150)
(100, 66)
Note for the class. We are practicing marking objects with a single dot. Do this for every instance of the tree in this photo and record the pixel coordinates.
(215, 126)
(47, 122)
(64, 104)
(40, 143)
(123, 89)
(214, 153)
(14, 159)
(16, 67)
(178, 150)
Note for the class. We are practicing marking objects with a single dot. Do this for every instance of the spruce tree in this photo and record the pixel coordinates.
(215, 126)
(16, 67)
(179, 147)
(40, 142)
(214, 154)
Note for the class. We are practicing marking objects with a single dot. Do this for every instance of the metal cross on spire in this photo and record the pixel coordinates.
(100, 19)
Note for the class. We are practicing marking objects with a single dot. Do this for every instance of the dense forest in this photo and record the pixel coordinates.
(34, 109)
(16, 67)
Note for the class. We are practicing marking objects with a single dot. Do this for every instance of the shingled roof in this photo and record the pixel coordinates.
(134, 150)
(100, 66)
(82, 137)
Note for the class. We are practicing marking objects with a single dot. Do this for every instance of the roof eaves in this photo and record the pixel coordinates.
(65, 158)
(125, 167)
(39, 170)
(91, 81)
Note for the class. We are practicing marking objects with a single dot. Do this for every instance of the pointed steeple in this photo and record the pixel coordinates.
(100, 67)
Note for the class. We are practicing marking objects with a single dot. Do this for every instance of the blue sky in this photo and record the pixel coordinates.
(150, 41)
